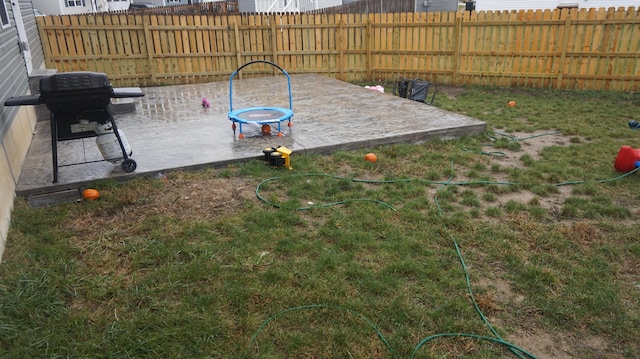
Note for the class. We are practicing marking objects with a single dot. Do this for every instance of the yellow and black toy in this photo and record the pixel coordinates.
(278, 157)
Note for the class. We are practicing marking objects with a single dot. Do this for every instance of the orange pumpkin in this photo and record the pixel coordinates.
(512, 103)
(90, 194)
(371, 157)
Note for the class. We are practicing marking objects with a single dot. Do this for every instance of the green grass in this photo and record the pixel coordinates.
(342, 258)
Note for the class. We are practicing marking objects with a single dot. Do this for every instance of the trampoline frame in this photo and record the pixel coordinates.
(234, 115)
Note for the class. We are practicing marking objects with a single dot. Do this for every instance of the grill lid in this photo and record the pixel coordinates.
(74, 81)
(76, 91)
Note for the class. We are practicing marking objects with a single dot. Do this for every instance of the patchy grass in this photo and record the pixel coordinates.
(525, 236)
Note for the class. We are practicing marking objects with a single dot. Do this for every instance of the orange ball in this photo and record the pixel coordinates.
(371, 157)
(90, 194)
(512, 103)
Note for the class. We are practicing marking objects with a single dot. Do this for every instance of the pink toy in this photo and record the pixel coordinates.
(205, 103)
(375, 88)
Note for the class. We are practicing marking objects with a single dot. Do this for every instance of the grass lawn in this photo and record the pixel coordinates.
(522, 242)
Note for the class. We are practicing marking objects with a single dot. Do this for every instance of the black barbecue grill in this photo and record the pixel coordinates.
(77, 101)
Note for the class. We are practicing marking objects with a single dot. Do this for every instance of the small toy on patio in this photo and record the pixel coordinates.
(278, 156)
(375, 88)
(205, 103)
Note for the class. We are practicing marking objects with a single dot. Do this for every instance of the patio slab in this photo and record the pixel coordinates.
(170, 129)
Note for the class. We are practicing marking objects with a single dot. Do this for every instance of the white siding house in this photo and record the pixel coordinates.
(436, 5)
(417, 5)
(174, 2)
(276, 6)
(495, 5)
(69, 7)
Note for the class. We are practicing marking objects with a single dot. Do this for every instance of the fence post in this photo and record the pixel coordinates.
(148, 39)
(368, 40)
(236, 33)
(456, 50)
(274, 44)
(46, 46)
(341, 49)
(563, 53)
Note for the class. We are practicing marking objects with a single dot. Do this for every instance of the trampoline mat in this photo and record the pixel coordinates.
(257, 115)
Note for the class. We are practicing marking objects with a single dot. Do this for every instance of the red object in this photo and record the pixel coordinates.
(90, 194)
(626, 159)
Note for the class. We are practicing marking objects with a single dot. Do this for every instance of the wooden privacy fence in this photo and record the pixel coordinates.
(595, 49)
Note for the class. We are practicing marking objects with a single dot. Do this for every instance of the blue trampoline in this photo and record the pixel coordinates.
(261, 116)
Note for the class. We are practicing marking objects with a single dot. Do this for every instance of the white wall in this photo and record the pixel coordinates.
(279, 5)
(13, 150)
(48, 7)
(491, 5)
(113, 5)
(56, 7)
(607, 3)
(306, 5)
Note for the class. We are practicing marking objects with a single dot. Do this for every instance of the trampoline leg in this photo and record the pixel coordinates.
(240, 136)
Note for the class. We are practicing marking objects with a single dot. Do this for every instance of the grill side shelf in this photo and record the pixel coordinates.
(24, 100)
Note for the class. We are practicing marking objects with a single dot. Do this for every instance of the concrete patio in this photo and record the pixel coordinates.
(170, 130)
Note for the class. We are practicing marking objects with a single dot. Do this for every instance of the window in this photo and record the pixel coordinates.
(173, 0)
(74, 3)
(4, 15)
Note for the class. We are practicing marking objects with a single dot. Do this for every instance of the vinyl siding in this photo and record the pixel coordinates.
(35, 45)
(16, 123)
(607, 3)
(488, 5)
(247, 6)
(13, 73)
(437, 5)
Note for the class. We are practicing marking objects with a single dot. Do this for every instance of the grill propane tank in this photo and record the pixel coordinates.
(108, 142)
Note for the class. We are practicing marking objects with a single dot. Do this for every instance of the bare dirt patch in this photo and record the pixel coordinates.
(452, 92)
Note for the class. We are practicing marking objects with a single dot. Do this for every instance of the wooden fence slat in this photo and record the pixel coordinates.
(150, 40)
(565, 42)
